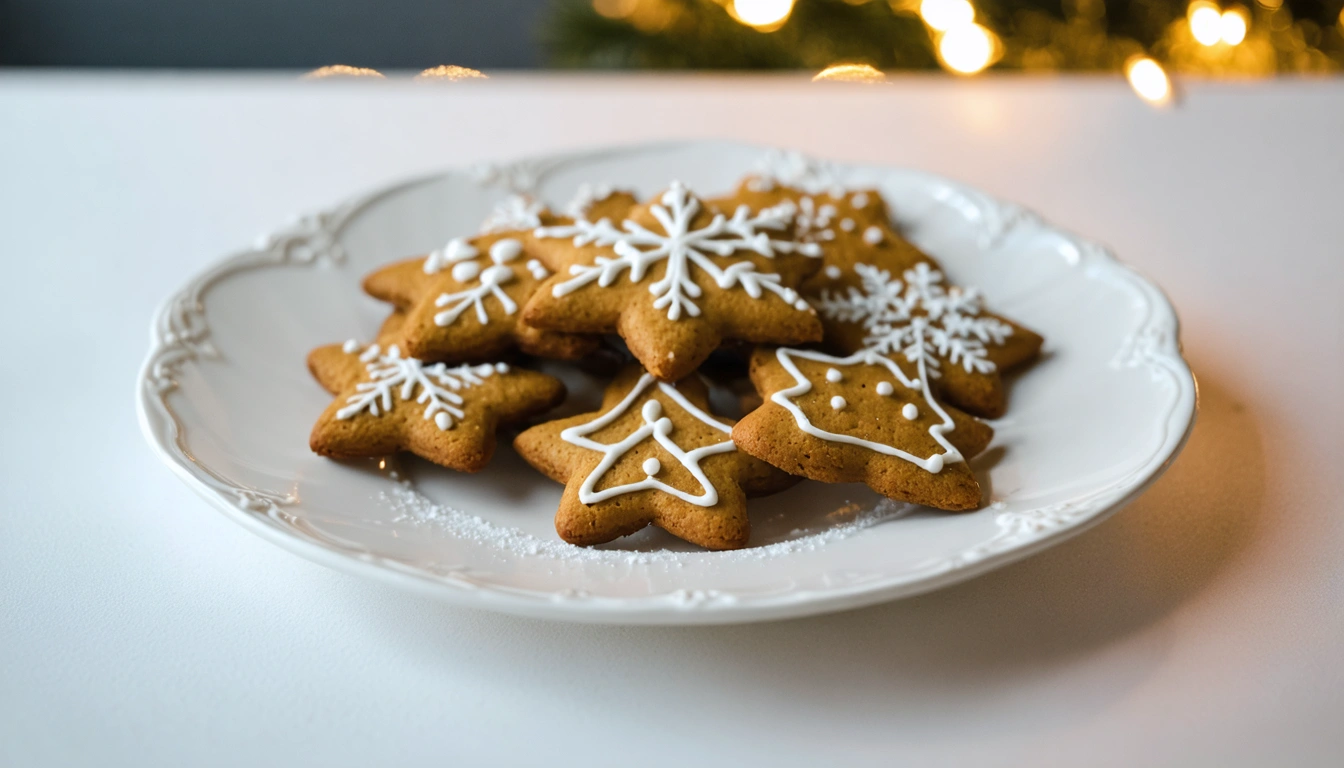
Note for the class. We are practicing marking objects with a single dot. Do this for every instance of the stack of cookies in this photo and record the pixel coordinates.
(867, 365)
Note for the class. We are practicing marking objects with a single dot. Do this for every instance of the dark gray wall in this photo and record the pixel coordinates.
(401, 34)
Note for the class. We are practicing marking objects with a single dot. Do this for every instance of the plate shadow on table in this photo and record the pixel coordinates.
(1021, 621)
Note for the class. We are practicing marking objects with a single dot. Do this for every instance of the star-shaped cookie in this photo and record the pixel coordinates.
(860, 418)
(917, 319)
(388, 402)
(463, 301)
(675, 277)
(654, 455)
(850, 226)
(860, 244)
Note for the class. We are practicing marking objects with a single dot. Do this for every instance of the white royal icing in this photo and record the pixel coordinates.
(684, 249)
(537, 269)
(515, 213)
(919, 318)
(659, 427)
(847, 224)
(834, 375)
(885, 389)
(454, 251)
(833, 272)
(586, 196)
(802, 386)
(872, 235)
(859, 200)
(910, 411)
(438, 384)
(490, 279)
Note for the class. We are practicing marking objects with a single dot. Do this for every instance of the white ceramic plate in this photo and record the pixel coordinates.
(226, 401)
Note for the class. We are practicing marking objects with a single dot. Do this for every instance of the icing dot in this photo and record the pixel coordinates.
(663, 425)
(827, 210)
(496, 275)
(910, 411)
(652, 410)
(538, 270)
(859, 200)
(501, 367)
(834, 376)
(652, 466)
(884, 388)
(827, 234)
(458, 250)
(349, 346)
(801, 306)
(466, 270)
(914, 383)
(936, 463)
(442, 420)
(833, 272)
(789, 295)
(838, 402)
(837, 192)
(872, 235)
(847, 224)
(505, 250)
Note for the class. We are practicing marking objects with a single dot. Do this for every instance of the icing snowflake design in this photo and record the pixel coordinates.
(684, 249)
(513, 214)
(489, 277)
(659, 427)
(391, 374)
(919, 319)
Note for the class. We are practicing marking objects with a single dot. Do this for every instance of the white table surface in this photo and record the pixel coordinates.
(1200, 626)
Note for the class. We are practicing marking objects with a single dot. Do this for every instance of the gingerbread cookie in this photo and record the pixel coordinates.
(676, 277)
(462, 302)
(850, 226)
(654, 455)
(388, 402)
(861, 418)
(915, 317)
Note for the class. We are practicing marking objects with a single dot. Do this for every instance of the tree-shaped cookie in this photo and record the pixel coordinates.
(387, 401)
(463, 301)
(915, 317)
(675, 277)
(654, 455)
(861, 418)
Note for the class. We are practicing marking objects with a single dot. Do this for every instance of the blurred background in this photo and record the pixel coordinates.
(1225, 39)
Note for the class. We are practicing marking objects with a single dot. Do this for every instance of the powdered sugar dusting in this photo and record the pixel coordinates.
(415, 508)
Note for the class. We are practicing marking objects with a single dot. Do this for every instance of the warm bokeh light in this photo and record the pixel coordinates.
(341, 70)
(1232, 26)
(764, 15)
(943, 15)
(1206, 22)
(1149, 80)
(451, 73)
(615, 9)
(967, 48)
(850, 73)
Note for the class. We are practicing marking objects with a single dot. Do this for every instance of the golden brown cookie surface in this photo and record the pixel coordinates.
(851, 227)
(914, 315)
(386, 402)
(463, 302)
(654, 455)
(861, 418)
(675, 277)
